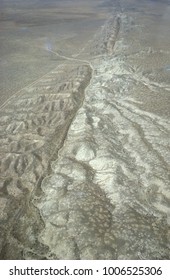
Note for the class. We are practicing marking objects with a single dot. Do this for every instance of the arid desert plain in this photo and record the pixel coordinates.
(85, 129)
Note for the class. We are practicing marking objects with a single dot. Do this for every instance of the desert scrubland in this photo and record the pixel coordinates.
(85, 126)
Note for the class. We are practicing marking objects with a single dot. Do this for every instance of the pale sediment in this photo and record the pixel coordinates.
(108, 195)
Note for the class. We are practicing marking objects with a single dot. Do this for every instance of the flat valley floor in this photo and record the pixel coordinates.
(85, 129)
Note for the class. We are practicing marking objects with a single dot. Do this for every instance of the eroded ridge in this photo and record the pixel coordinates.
(104, 41)
(34, 125)
(109, 197)
(108, 194)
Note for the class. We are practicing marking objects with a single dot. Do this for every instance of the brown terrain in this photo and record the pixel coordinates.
(85, 126)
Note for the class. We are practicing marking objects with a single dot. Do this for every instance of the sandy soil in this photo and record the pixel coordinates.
(28, 31)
